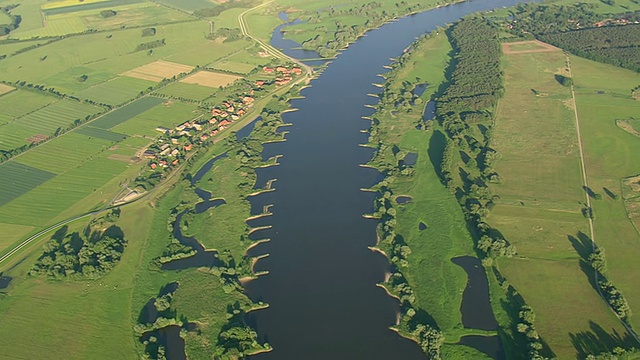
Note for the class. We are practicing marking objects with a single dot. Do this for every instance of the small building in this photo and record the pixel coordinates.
(153, 166)
(163, 129)
(188, 147)
(149, 154)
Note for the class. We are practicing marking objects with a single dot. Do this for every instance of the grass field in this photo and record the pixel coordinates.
(18, 179)
(123, 114)
(611, 154)
(100, 134)
(236, 67)
(69, 3)
(168, 114)
(70, 80)
(187, 91)
(60, 114)
(115, 91)
(540, 207)
(188, 5)
(12, 233)
(29, 102)
(156, 71)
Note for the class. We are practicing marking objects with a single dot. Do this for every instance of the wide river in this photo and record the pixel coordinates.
(321, 276)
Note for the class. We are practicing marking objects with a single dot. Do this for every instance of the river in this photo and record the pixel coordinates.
(321, 277)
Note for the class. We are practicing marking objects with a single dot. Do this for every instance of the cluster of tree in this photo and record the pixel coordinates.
(615, 45)
(544, 18)
(5, 29)
(474, 88)
(174, 251)
(226, 33)
(151, 31)
(222, 6)
(151, 45)
(597, 260)
(81, 256)
(615, 299)
(108, 13)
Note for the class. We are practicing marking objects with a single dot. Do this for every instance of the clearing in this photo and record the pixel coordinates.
(527, 47)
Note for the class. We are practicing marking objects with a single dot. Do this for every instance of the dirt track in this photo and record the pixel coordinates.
(544, 47)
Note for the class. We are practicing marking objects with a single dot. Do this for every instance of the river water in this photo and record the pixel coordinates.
(321, 277)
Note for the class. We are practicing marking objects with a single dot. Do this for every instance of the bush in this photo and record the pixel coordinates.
(107, 13)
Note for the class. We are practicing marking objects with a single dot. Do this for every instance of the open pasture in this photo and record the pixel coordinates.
(158, 70)
(56, 27)
(187, 91)
(125, 113)
(136, 14)
(168, 114)
(611, 154)
(210, 79)
(77, 78)
(236, 67)
(18, 179)
(12, 233)
(540, 204)
(45, 121)
(29, 102)
(115, 91)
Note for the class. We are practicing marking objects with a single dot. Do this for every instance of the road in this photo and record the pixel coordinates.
(592, 233)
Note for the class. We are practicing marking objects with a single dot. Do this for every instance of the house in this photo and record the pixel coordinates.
(248, 99)
(198, 127)
(225, 123)
(180, 128)
(204, 137)
(259, 83)
(175, 152)
(149, 154)
(174, 141)
(163, 129)
(165, 152)
(164, 147)
(175, 162)
(268, 70)
(282, 69)
(296, 71)
(153, 166)
(213, 120)
(188, 147)
(163, 164)
(235, 117)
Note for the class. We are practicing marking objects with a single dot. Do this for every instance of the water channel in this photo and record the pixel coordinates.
(321, 277)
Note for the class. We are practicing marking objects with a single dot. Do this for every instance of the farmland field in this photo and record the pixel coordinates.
(12, 233)
(45, 121)
(210, 79)
(187, 91)
(68, 3)
(123, 114)
(539, 210)
(156, 71)
(115, 91)
(138, 14)
(236, 67)
(5, 89)
(29, 101)
(169, 114)
(18, 179)
(69, 6)
(77, 78)
(188, 5)
(100, 134)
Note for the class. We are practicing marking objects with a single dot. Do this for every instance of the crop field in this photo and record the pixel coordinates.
(602, 95)
(18, 179)
(210, 79)
(115, 91)
(540, 204)
(73, 6)
(168, 114)
(94, 132)
(12, 47)
(69, 3)
(156, 71)
(236, 67)
(123, 114)
(4, 89)
(208, 51)
(45, 121)
(29, 102)
(187, 91)
(56, 27)
(188, 5)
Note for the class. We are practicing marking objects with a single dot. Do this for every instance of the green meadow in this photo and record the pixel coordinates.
(125, 113)
(168, 114)
(539, 210)
(187, 91)
(116, 90)
(611, 154)
(29, 101)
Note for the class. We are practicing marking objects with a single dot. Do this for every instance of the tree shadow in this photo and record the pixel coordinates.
(584, 247)
(437, 144)
(598, 340)
(610, 193)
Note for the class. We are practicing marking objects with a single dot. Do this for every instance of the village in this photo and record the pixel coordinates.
(173, 145)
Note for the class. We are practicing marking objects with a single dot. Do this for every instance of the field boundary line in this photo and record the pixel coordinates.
(586, 184)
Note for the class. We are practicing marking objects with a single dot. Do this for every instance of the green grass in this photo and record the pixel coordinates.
(101, 134)
(187, 91)
(88, 6)
(539, 207)
(29, 11)
(227, 220)
(18, 179)
(137, 14)
(123, 114)
(27, 102)
(611, 154)
(167, 114)
(67, 81)
(11, 234)
(115, 91)
(60, 114)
